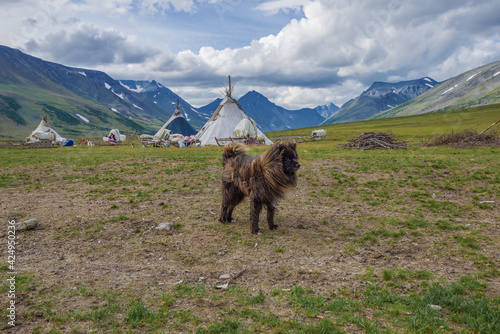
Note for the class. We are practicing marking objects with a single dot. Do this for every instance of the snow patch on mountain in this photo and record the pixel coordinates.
(83, 118)
(449, 90)
(472, 76)
(138, 88)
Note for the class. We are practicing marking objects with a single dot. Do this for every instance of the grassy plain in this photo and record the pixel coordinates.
(369, 241)
(418, 129)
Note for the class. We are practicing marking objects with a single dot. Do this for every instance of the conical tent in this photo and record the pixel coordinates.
(158, 136)
(45, 132)
(224, 121)
(178, 124)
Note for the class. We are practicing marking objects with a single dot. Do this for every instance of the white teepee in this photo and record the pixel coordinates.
(224, 121)
(44, 132)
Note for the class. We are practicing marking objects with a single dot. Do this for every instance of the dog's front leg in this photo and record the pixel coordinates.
(255, 207)
(223, 214)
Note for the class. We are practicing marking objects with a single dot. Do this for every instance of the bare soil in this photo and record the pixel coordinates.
(102, 235)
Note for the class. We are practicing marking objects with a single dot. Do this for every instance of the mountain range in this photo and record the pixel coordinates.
(477, 87)
(82, 102)
(72, 99)
(271, 117)
(379, 97)
(166, 99)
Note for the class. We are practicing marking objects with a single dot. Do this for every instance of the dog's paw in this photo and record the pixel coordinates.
(258, 232)
(227, 221)
(274, 227)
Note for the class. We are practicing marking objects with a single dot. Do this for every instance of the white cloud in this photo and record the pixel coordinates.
(295, 97)
(123, 7)
(90, 46)
(339, 41)
(154, 6)
(272, 7)
(330, 52)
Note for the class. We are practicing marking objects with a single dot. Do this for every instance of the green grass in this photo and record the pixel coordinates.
(358, 204)
(418, 129)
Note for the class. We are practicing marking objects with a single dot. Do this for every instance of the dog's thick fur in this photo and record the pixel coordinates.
(263, 179)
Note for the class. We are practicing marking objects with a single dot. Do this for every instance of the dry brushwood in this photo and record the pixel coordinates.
(467, 138)
(375, 141)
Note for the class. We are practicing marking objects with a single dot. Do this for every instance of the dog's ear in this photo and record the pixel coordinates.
(278, 146)
(290, 146)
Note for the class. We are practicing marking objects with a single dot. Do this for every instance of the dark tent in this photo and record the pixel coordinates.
(178, 124)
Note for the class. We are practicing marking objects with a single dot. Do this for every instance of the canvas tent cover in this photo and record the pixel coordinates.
(45, 132)
(246, 128)
(223, 121)
(178, 124)
(158, 136)
(318, 133)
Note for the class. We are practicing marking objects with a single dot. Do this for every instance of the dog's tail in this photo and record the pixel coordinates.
(232, 150)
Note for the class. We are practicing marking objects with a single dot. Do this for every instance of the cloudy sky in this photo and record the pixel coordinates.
(298, 53)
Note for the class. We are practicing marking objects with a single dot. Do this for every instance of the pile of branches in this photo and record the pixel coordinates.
(375, 141)
(467, 138)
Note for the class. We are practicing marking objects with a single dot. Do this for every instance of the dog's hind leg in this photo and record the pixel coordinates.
(231, 196)
(270, 217)
(237, 198)
(255, 208)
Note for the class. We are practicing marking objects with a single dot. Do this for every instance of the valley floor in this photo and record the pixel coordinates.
(363, 244)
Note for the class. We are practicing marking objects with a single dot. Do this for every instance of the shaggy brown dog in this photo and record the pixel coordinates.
(263, 179)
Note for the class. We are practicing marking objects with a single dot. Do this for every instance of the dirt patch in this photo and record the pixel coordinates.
(98, 233)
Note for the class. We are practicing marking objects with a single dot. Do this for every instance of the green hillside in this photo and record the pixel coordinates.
(22, 105)
(477, 87)
(417, 128)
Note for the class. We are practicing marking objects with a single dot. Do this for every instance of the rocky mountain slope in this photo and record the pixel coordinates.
(82, 102)
(327, 110)
(271, 117)
(480, 86)
(77, 102)
(87, 103)
(379, 97)
(166, 99)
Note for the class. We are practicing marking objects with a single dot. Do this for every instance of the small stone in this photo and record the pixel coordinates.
(165, 226)
(29, 224)
(223, 286)
(225, 276)
(435, 307)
